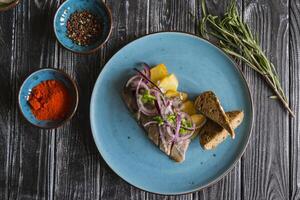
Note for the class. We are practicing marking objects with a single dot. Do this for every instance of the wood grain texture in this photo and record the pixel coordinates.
(295, 99)
(77, 163)
(65, 164)
(7, 108)
(27, 148)
(130, 21)
(172, 15)
(265, 167)
(230, 186)
(168, 15)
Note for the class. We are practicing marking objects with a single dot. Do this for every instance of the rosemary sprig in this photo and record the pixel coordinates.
(235, 38)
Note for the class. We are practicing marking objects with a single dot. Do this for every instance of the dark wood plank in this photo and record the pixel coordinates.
(26, 169)
(130, 21)
(265, 163)
(230, 186)
(77, 162)
(7, 108)
(294, 47)
(65, 164)
(171, 16)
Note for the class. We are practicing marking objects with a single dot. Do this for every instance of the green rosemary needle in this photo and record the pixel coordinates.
(236, 39)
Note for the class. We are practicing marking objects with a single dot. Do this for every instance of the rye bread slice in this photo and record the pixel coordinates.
(212, 134)
(209, 105)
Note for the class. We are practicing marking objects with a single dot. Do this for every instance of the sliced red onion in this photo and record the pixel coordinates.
(143, 109)
(145, 65)
(138, 88)
(150, 123)
(159, 93)
(181, 137)
(163, 106)
(146, 70)
(159, 102)
(143, 75)
(140, 85)
(168, 124)
(169, 109)
(170, 132)
(136, 96)
(131, 80)
(173, 132)
(178, 125)
(189, 119)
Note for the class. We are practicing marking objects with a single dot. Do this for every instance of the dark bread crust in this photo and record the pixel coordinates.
(209, 105)
(212, 134)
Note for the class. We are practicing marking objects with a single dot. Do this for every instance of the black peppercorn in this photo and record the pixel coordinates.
(83, 28)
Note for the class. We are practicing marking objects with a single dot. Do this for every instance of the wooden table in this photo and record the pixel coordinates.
(64, 163)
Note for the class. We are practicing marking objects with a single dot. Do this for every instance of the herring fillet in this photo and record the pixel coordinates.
(175, 150)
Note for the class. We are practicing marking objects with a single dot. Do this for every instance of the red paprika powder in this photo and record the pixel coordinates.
(50, 100)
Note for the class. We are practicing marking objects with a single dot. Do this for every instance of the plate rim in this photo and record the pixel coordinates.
(232, 165)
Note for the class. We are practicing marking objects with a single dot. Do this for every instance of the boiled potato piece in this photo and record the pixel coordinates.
(199, 121)
(182, 95)
(168, 83)
(158, 72)
(188, 107)
(172, 93)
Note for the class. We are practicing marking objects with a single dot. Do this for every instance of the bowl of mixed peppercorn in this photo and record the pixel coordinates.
(82, 26)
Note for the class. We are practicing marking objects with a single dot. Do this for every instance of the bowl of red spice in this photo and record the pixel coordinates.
(48, 98)
(82, 26)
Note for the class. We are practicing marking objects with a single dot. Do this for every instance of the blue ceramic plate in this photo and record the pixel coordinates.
(36, 78)
(97, 7)
(199, 66)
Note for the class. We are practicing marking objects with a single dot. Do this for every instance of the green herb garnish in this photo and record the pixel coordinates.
(182, 131)
(159, 120)
(171, 118)
(186, 123)
(147, 97)
(235, 38)
(184, 126)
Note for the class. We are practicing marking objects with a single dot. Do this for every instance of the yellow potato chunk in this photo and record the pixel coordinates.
(168, 83)
(199, 121)
(158, 72)
(171, 93)
(189, 108)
